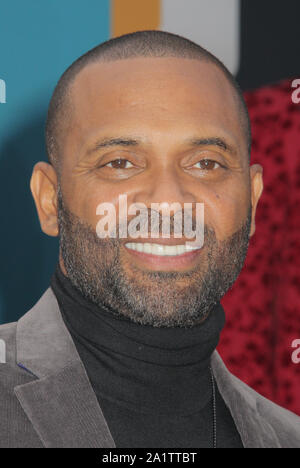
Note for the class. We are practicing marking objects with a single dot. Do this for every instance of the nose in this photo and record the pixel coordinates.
(167, 186)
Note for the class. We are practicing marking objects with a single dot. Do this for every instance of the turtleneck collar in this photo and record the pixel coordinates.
(140, 366)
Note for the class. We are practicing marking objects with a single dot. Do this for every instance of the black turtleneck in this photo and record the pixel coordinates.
(153, 384)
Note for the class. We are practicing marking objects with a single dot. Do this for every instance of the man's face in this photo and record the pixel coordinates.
(168, 116)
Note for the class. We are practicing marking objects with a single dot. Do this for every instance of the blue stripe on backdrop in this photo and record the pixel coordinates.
(38, 40)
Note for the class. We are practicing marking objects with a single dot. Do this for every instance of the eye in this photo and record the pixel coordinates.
(207, 165)
(119, 164)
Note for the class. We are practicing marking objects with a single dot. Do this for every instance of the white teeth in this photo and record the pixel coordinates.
(146, 248)
(160, 249)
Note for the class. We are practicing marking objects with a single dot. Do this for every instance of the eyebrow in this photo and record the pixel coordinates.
(109, 142)
(123, 141)
(213, 141)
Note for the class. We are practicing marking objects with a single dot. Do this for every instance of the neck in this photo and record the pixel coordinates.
(165, 368)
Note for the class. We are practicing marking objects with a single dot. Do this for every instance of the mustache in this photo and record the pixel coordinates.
(152, 217)
(147, 222)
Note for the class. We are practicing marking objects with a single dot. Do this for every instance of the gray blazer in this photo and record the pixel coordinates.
(46, 399)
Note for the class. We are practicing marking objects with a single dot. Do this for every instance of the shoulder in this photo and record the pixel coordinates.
(285, 424)
(10, 373)
(15, 427)
(261, 422)
(7, 328)
(8, 342)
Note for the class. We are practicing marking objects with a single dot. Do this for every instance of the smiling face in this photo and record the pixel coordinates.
(159, 130)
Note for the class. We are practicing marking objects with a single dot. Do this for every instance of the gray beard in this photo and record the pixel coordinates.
(156, 298)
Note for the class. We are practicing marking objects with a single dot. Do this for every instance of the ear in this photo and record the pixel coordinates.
(43, 185)
(257, 185)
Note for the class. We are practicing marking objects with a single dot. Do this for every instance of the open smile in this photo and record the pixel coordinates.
(163, 256)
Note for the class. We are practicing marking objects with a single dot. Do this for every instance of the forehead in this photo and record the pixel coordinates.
(142, 94)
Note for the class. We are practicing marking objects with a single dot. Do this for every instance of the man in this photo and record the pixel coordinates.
(120, 351)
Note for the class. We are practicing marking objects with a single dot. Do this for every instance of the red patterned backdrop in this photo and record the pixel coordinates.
(263, 307)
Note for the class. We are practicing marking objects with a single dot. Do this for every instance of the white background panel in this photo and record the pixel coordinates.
(214, 24)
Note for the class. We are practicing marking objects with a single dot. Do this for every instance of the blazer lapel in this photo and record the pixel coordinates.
(60, 402)
(241, 400)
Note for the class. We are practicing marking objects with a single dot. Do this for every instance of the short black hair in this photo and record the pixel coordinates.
(149, 43)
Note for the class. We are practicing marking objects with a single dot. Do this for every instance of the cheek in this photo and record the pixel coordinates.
(83, 199)
(226, 211)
